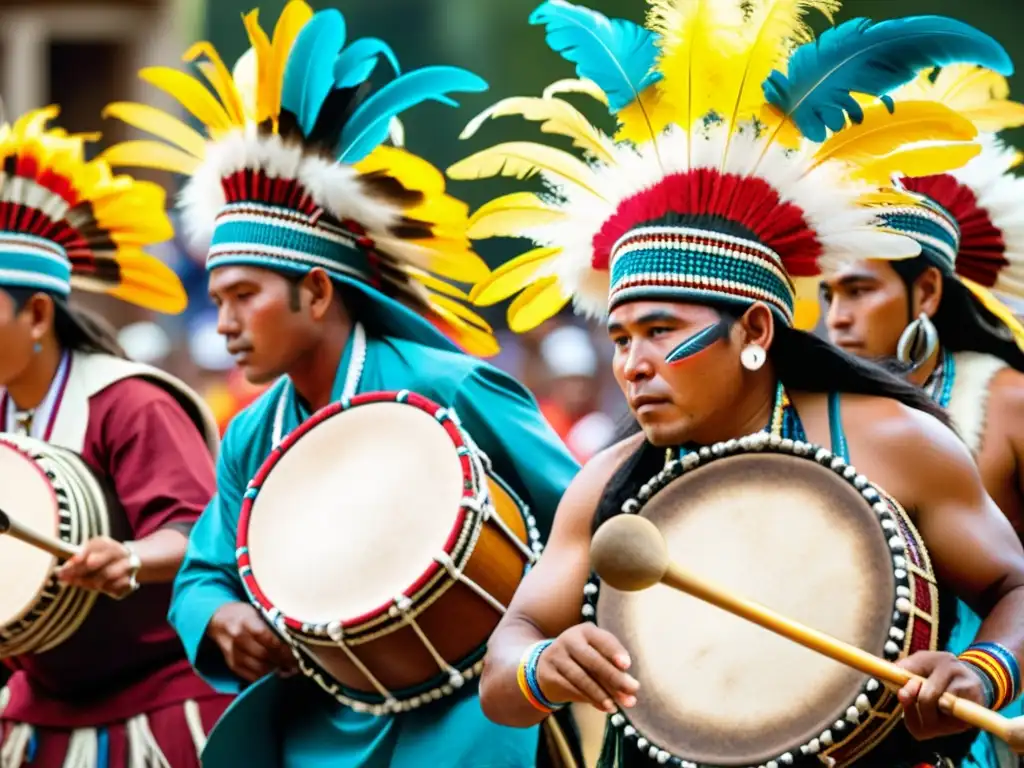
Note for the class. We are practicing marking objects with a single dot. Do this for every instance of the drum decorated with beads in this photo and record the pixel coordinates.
(51, 491)
(795, 528)
(381, 545)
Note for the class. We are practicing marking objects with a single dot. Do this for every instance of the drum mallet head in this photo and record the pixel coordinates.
(5, 522)
(629, 553)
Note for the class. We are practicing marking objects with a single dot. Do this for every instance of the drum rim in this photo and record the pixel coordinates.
(473, 481)
(872, 692)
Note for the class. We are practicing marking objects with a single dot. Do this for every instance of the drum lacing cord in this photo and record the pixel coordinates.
(194, 721)
(83, 749)
(337, 634)
(404, 605)
(445, 560)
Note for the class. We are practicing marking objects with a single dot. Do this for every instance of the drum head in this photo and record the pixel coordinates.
(28, 498)
(789, 534)
(354, 512)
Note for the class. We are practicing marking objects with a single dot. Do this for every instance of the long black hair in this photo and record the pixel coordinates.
(963, 322)
(804, 363)
(77, 329)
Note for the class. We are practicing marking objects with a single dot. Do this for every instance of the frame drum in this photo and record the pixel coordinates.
(381, 546)
(50, 490)
(796, 529)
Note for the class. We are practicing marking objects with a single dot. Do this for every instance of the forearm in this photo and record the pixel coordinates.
(1003, 624)
(161, 554)
(500, 696)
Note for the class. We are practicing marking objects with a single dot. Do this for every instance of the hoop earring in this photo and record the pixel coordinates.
(917, 343)
(753, 356)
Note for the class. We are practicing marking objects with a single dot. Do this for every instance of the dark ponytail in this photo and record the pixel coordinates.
(78, 330)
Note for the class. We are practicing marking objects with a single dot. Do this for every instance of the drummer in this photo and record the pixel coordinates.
(696, 271)
(969, 349)
(121, 687)
(317, 289)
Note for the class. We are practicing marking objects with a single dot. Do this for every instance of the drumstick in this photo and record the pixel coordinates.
(630, 554)
(59, 549)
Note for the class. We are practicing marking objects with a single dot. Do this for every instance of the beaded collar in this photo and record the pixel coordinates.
(940, 384)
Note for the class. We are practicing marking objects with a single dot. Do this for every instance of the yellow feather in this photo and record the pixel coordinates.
(436, 285)
(644, 119)
(773, 28)
(460, 311)
(160, 124)
(264, 67)
(191, 94)
(782, 130)
(150, 154)
(996, 116)
(217, 75)
(807, 306)
(473, 340)
(881, 133)
(522, 160)
(411, 170)
(699, 41)
(560, 117)
(541, 301)
(510, 215)
(915, 162)
(291, 21)
(511, 277)
(455, 262)
(589, 87)
(147, 282)
(978, 94)
(997, 308)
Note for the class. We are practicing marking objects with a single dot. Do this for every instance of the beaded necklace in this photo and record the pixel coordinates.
(940, 384)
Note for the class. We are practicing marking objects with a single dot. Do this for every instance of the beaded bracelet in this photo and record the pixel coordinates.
(526, 676)
(999, 668)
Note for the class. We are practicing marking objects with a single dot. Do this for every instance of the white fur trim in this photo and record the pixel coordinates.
(334, 187)
(15, 747)
(968, 403)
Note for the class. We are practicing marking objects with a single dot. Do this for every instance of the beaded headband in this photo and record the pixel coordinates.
(292, 170)
(66, 222)
(742, 159)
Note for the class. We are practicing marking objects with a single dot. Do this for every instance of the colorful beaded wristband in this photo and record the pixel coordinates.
(999, 667)
(526, 676)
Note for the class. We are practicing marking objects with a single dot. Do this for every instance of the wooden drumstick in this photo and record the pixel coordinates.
(59, 549)
(629, 553)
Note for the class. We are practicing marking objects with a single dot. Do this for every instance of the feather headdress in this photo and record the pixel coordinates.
(70, 223)
(741, 158)
(291, 170)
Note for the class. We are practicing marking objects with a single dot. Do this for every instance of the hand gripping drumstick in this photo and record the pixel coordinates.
(629, 553)
(59, 549)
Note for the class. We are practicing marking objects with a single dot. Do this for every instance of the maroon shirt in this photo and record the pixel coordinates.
(126, 659)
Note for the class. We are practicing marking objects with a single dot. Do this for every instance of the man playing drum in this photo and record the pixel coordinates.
(321, 241)
(696, 241)
(120, 690)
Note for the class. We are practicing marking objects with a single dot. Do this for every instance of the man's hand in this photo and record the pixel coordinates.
(103, 565)
(587, 664)
(943, 673)
(251, 648)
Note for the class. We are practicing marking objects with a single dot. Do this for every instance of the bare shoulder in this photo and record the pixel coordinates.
(1006, 397)
(584, 493)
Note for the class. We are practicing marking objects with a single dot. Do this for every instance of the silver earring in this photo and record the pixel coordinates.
(918, 342)
(37, 348)
(753, 356)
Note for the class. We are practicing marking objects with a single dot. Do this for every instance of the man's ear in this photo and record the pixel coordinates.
(321, 292)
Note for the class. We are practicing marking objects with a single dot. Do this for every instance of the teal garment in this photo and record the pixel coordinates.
(262, 728)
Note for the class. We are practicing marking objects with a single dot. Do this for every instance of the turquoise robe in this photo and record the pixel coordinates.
(504, 421)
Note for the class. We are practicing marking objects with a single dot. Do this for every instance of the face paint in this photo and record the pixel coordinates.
(699, 341)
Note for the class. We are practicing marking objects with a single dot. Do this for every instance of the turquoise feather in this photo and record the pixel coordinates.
(368, 126)
(860, 56)
(309, 71)
(357, 62)
(616, 54)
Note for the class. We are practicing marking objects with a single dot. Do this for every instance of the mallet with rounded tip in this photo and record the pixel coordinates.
(629, 554)
(59, 549)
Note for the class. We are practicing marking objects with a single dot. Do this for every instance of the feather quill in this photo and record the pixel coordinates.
(864, 57)
(309, 71)
(616, 54)
(523, 159)
(368, 127)
(559, 117)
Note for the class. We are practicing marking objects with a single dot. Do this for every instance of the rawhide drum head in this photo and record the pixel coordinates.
(782, 531)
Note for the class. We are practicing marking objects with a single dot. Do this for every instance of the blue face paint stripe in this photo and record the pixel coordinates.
(700, 341)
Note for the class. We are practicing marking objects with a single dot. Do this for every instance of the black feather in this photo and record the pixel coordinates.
(334, 114)
(288, 127)
(379, 184)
